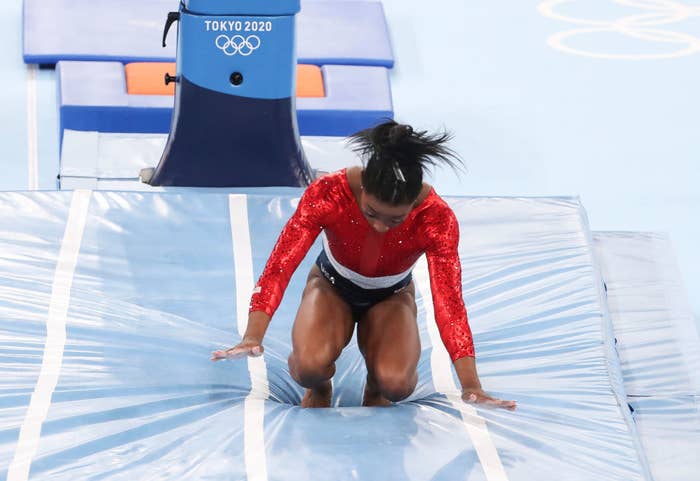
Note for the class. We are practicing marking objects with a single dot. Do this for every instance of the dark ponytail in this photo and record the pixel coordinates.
(394, 157)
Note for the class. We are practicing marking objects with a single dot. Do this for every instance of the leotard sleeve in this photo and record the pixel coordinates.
(445, 271)
(315, 207)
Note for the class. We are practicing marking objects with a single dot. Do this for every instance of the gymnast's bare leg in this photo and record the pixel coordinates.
(322, 328)
(389, 341)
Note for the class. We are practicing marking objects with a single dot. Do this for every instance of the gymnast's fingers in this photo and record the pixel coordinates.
(237, 352)
(480, 397)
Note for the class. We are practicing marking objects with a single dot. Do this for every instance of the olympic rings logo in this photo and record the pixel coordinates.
(238, 44)
(640, 27)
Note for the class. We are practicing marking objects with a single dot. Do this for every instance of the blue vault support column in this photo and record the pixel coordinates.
(234, 122)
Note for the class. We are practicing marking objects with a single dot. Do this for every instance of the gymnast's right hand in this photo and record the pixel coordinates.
(247, 347)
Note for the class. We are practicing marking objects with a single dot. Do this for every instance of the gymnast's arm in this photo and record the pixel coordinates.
(450, 313)
(294, 242)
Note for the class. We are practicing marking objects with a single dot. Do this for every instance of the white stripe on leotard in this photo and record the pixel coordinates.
(358, 279)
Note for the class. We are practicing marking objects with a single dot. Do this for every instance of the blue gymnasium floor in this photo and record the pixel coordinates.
(528, 118)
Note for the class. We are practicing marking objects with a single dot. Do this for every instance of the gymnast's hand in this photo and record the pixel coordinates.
(479, 396)
(247, 347)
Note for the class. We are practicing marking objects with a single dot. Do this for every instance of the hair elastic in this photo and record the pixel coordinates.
(398, 172)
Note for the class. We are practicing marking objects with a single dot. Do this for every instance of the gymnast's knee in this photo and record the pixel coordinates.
(395, 384)
(311, 368)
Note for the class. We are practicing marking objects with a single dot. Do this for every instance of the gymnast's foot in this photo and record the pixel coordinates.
(318, 397)
(372, 397)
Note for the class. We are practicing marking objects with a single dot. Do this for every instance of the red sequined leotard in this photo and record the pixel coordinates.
(329, 205)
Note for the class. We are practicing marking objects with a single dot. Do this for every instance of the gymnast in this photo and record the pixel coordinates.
(377, 220)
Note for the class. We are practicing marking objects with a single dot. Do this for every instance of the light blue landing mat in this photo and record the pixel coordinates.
(110, 304)
(658, 346)
(334, 32)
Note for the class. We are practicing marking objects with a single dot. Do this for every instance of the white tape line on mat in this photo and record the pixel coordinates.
(254, 440)
(30, 432)
(444, 383)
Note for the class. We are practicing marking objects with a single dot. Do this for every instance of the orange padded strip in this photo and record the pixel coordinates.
(310, 81)
(147, 78)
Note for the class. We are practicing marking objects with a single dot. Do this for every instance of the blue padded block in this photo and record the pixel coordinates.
(356, 98)
(92, 96)
(347, 33)
(328, 32)
(242, 7)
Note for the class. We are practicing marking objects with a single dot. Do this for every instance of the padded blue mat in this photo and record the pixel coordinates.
(334, 32)
(92, 96)
(110, 304)
(658, 345)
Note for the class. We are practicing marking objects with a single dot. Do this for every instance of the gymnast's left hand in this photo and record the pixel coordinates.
(479, 396)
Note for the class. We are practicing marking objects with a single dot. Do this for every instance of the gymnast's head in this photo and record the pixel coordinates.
(394, 158)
